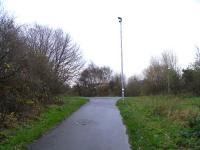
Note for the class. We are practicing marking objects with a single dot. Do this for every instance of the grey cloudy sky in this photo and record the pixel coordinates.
(149, 27)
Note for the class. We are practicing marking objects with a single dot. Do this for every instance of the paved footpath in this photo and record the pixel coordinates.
(95, 126)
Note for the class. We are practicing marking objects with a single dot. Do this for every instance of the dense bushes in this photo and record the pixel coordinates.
(37, 63)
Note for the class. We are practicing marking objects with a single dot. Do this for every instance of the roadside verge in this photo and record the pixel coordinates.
(52, 116)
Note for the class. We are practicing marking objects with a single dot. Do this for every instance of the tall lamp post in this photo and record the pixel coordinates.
(122, 74)
(168, 80)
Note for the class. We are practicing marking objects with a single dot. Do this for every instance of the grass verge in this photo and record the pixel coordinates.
(24, 135)
(161, 122)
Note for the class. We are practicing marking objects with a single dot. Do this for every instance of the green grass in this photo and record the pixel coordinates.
(162, 122)
(53, 115)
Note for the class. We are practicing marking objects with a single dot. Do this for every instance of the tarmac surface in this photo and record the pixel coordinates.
(95, 126)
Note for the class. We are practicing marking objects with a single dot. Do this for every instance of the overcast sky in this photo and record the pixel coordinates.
(149, 28)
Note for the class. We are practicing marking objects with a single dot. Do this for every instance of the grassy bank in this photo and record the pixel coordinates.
(22, 136)
(162, 122)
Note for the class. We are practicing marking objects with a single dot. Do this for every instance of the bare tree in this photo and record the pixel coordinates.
(197, 58)
(169, 59)
(162, 74)
(60, 50)
(134, 86)
(115, 85)
(95, 80)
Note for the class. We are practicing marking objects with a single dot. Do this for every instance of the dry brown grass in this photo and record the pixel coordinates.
(172, 108)
(182, 115)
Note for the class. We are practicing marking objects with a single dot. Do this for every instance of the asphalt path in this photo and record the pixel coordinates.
(95, 126)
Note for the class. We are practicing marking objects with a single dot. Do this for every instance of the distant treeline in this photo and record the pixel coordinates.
(162, 76)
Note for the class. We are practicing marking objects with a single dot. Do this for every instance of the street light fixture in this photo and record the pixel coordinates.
(122, 74)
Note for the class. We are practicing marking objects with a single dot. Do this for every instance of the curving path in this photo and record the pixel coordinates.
(95, 126)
